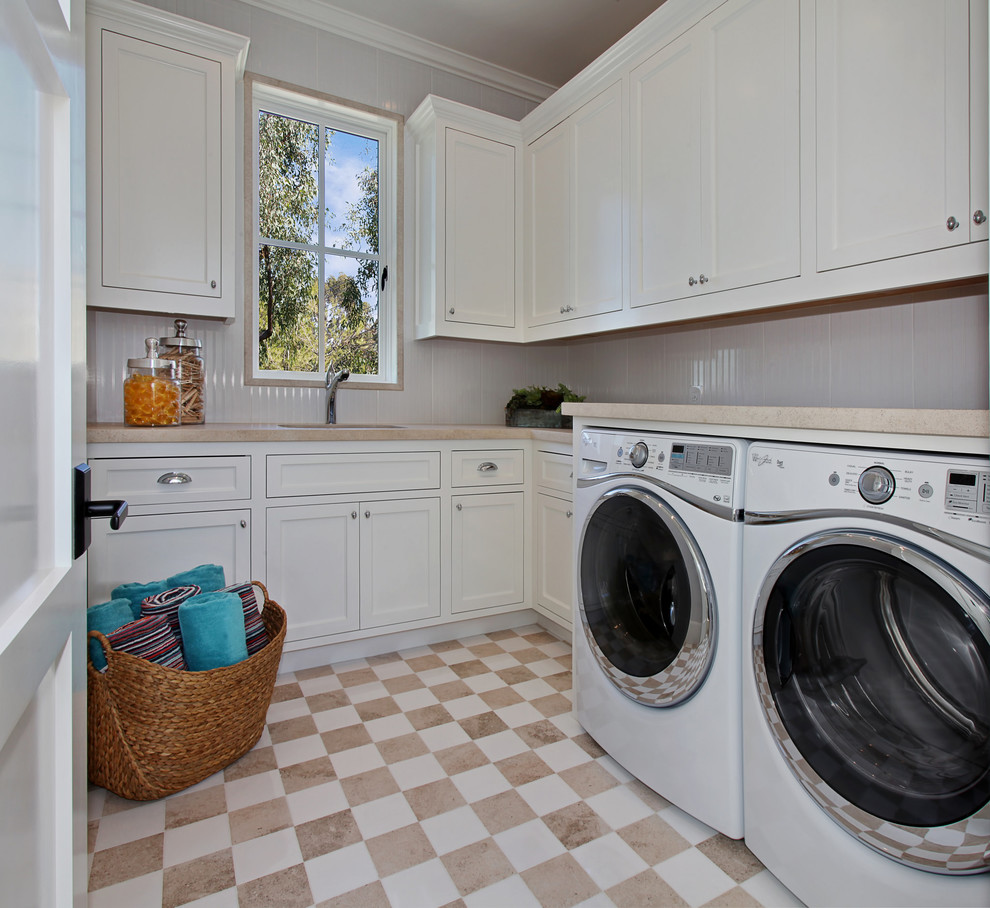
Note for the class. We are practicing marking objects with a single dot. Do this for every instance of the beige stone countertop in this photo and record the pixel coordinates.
(117, 433)
(952, 423)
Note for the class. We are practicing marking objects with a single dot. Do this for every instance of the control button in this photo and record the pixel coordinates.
(925, 490)
(876, 485)
(834, 479)
(618, 454)
(639, 454)
(661, 457)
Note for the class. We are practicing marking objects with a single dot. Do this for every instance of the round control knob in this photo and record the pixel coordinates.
(639, 454)
(834, 479)
(661, 457)
(925, 490)
(876, 485)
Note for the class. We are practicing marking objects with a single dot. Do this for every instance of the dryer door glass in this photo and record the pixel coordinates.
(645, 598)
(878, 660)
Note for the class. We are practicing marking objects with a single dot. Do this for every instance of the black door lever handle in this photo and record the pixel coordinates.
(84, 510)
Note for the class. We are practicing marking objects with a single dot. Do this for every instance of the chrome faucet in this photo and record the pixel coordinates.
(334, 379)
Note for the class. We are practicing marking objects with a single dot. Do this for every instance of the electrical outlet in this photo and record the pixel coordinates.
(695, 394)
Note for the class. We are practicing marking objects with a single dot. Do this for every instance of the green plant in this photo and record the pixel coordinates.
(540, 397)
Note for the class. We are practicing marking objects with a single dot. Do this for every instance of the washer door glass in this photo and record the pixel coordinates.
(878, 662)
(645, 596)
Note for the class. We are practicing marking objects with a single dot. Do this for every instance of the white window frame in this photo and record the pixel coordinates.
(382, 125)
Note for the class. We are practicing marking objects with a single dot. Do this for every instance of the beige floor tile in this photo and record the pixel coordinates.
(284, 692)
(523, 768)
(370, 896)
(461, 758)
(576, 825)
(404, 747)
(320, 671)
(307, 774)
(560, 680)
(345, 738)
(193, 806)
(424, 663)
(732, 856)
(552, 704)
(536, 734)
(503, 811)
(515, 675)
(481, 650)
(483, 725)
(434, 799)
(402, 683)
(734, 898)
(326, 700)
(501, 697)
(400, 849)
(124, 862)
(287, 888)
(259, 759)
(377, 709)
(589, 779)
(290, 729)
(470, 668)
(326, 834)
(653, 839)
(356, 677)
(192, 880)
(476, 866)
(258, 820)
(646, 890)
(451, 690)
(560, 882)
(429, 716)
(369, 786)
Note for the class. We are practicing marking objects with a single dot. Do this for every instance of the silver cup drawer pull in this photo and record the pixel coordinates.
(174, 479)
(487, 467)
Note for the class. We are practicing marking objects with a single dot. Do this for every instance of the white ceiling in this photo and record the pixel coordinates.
(546, 40)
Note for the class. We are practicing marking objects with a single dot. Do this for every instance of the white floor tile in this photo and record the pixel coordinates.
(769, 891)
(288, 753)
(454, 829)
(363, 693)
(340, 871)
(409, 700)
(332, 719)
(510, 891)
(465, 707)
(426, 885)
(265, 854)
(501, 745)
(186, 843)
(547, 794)
(622, 774)
(287, 709)
(529, 844)
(618, 806)
(533, 690)
(417, 771)
(142, 890)
(563, 755)
(441, 737)
(694, 878)
(384, 815)
(95, 799)
(131, 824)
(567, 724)
(519, 714)
(688, 826)
(318, 801)
(499, 662)
(485, 682)
(225, 899)
(479, 783)
(262, 786)
(319, 685)
(389, 727)
(392, 669)
(434, 676)
(356, 760)
(608, 860)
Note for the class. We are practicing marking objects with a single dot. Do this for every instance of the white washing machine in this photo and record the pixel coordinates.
(866, 678)
(657, 640)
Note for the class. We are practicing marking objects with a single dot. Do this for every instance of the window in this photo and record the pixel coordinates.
(323, 248)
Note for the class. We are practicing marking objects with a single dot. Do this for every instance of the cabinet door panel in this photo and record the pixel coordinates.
(555, 558)
(892, 124)
(154, 546)
(487, 551)
(597, 227)
(751, 195)
(979, 178)
(312, 563)
(400, 561)
(161, 169)
(480, 270)
(666, 173)
(549, 197)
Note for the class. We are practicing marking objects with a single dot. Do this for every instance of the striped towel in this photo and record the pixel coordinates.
(150, 638)
(254, 627)
(167, 605)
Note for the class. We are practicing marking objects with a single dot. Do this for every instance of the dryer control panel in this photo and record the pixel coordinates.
(967, 491)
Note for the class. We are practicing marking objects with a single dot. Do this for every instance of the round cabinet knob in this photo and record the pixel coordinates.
(979, 217)
(876, 485)
(691, 282)
(243, 524)
(639, 454)
(367, 513)
(951, 224)
(213, 285)
(460, 507)
(450, 311)
(570, 513)
(702, 279)
(353, 515)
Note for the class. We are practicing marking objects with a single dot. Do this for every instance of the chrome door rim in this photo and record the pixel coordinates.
(957, 848)
(680, 680)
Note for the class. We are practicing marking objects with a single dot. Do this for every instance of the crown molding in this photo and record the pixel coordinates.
(358, 28)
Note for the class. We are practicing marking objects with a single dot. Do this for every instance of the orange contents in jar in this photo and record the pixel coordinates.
(151, 401)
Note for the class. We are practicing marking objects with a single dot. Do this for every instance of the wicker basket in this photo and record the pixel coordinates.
(154, 730)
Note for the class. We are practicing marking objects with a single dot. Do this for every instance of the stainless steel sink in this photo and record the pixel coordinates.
(338, 425)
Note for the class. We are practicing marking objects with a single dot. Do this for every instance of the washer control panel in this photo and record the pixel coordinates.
(967, 491)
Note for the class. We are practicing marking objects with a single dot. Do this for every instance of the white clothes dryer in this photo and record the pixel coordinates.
(866, 674)
(657, 637)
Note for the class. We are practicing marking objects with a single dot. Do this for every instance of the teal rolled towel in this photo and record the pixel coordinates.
(208, 577)
(136, 593)
(213, 633)
(106, 618)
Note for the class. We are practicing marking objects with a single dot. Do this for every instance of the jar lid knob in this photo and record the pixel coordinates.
(152, 358)
(180, 327)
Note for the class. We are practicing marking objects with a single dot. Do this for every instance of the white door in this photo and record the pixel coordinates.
(42, 410)
(487, 551)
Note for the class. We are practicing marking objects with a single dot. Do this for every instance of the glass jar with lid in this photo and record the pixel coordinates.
(189, 372)
(151, 392)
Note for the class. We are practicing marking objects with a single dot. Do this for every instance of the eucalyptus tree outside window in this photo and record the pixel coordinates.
(323, 226)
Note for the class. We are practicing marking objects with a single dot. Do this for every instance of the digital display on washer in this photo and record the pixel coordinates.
(969, 491)
(715, 460)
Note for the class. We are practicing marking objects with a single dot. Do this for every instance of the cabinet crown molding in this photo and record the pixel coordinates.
(189, 32)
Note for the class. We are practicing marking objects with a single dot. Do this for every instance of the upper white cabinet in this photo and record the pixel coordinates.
(892, 122)
(979, 147)
(160, 161)
(574, 204)
(468, 257)
(715, 139)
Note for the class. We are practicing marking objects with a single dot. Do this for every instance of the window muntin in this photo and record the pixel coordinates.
(324, 214)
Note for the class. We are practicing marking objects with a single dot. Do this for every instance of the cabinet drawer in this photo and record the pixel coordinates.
(350, 474)
(157, 480)
(554, 471)
(486, 468)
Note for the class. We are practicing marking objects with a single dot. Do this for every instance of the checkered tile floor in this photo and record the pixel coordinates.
(453, 774)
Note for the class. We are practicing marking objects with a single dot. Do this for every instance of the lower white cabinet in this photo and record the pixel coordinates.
(153, 546)
(344, 566)
(487, 550)
(554, 557)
